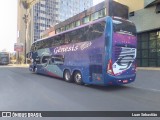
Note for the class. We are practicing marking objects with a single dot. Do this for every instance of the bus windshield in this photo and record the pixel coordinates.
(124, 27)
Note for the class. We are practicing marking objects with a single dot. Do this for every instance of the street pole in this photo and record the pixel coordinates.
(25, 18)
(18, 57)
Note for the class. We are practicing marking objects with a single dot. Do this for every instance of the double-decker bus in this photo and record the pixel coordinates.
(101, 52)
(4, 58)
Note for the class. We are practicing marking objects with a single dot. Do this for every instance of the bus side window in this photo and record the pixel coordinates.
(90, 32)
(83, 34)
(73, 35)
(66, 38)
(57, 59)
(57, 40)
(97, 30)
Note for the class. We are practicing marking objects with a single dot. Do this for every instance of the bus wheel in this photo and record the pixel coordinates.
(67, 76)
(78, 78)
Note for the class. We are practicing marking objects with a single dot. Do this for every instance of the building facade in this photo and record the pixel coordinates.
(69, 8)
(105, 8)
(24, 24)
(133, 5)
(47, 13)
(44, 14)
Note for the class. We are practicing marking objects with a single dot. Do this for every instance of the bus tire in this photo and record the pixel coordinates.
(67, 76)
(78, 78)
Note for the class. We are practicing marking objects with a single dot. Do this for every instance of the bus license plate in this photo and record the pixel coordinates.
(125, 81)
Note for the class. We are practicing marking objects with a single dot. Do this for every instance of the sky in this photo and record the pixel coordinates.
(97, 1)
(8, 24)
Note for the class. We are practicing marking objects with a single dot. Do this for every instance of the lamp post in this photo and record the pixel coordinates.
(25, 18)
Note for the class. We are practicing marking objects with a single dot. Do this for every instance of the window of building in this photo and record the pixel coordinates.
(77, 23)
(148, 53)
(86, 19)
(101, 13)
(152, 62)
(158, 8)
(62, 29)
(67, 27)
(152, 53)
(152, 44)
(144, 63)
(144, 45)
(144, 53)
(71, 25)
(94, 16)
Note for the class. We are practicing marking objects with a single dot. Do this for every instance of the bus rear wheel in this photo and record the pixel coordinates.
(67, 76)
(78, 78)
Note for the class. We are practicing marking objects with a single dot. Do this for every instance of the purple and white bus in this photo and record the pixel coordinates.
(101, 52)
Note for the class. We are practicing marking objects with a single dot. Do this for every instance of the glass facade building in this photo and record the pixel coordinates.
(47, 13)
(148, 54)
(69, 8)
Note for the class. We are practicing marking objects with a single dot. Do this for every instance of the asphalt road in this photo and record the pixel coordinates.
(21, 90)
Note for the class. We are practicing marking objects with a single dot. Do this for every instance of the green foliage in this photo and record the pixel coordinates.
(20, 60)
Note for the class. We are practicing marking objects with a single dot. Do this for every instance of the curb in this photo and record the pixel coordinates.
(148, 68)
(20, 65)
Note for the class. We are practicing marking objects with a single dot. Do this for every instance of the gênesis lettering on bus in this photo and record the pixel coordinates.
(102, 52)
(72, 48)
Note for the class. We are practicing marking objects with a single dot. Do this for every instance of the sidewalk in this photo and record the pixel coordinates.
(148, 68)
(20, 65)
